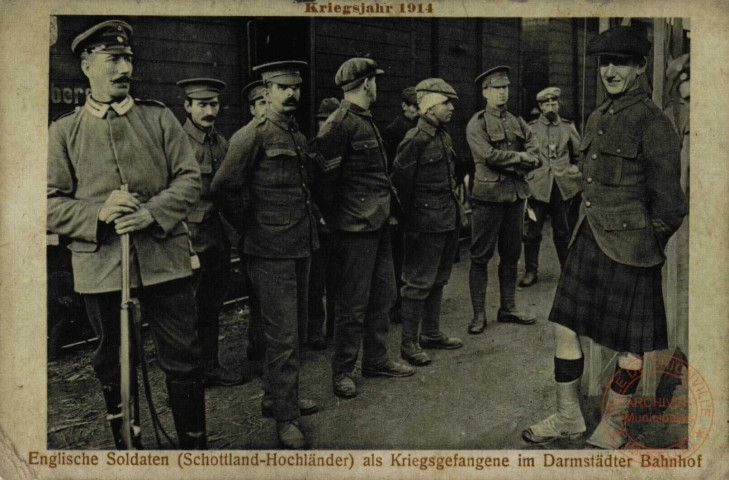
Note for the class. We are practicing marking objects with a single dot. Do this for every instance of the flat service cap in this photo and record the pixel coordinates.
(352, 72)
(201, 88)
(253, 91)
(287, 72)
(327, 107)
(436, 85)
(111, 36)
(549, 93)
(494, 77)
(620, 41)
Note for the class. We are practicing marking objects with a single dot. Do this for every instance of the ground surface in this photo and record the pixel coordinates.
(479, 397)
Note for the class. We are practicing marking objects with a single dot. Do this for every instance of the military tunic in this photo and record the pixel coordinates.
(610, 289)
(263, 189)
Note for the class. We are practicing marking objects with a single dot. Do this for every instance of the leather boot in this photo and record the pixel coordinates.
(610, 432)
(411, 314)
(562, 249)
(431, 336)
(531, 259)
(567, 423)
(507, 288)
(477, 281)
(187, 401)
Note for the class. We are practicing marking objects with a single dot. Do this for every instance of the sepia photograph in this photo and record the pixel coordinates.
(402, 239)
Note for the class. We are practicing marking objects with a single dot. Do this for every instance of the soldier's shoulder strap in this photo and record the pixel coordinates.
(66, 114)
(150, 101)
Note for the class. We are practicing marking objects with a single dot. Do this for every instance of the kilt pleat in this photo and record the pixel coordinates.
(618, 306)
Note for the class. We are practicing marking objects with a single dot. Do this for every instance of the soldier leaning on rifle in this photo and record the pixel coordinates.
(323, 275)
(355, 196)
(424, 175)
(392, 135)
(207, 233)
(610, 289)
(115, 140)
(254, 93)
(263, 189)
(504, 150)
(553, 184)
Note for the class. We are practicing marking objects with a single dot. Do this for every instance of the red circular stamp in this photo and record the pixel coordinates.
(665, 422)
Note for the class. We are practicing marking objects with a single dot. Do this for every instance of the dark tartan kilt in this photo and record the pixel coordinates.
(618, 306)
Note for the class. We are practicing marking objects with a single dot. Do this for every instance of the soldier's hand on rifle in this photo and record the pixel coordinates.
(119, 203)
(133, 222)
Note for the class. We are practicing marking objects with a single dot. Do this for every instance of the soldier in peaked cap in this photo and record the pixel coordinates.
(323, 275)
(392, 135)
(207, 233)
(610, 289)
(152, 157)
(263, 189)
(355, 195)
(553, 184)
(424, 175)
(255, 95)
(504, 151)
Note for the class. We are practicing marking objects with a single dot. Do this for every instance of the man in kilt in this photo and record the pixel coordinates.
(610, 288)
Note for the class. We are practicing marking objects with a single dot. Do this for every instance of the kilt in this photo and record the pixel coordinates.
(618, 306)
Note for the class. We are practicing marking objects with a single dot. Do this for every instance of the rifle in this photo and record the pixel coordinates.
(130, 310)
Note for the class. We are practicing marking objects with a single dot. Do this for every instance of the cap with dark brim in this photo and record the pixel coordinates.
(253, 91)
(549, 93)
(286, 72)
(620, 41)
(201, 88)
(111, 36)
(494, 77)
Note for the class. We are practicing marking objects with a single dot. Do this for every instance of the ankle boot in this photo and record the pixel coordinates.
(610, 432)
(567, 423)
(507, 289)
(187, 401)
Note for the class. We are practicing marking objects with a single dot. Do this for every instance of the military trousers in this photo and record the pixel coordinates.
(211, 287)
(557, 209)
(496, 223)
(365, 296)
(281, 285)
(322, 280)
(169, 308)
(428, 262)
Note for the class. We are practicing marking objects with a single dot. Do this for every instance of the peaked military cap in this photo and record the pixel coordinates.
(549, 93)
(620, 41)
(436, 85)
(352, 72)
(409, 96)
(494, 77)
(287, 72)
(254, 91)
(201, 88)
(326, 107)
(111, 36)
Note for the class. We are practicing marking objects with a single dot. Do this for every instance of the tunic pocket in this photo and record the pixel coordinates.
(612, 156)
(623, 221)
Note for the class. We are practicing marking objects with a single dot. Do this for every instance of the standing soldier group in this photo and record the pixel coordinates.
(346, 190)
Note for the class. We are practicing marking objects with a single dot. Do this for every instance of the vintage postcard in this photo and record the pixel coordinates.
(367, 239)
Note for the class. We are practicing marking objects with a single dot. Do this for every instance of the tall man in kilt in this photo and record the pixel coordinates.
(504, 150)
(263, 189)
(114, 140)
(208, 236)
(610, 289)
(424, 175)
(553, 184)
(355, 197)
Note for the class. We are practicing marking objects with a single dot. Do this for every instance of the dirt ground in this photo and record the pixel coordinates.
(478, 397)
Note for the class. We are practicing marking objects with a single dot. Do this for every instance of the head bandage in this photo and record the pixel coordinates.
(430, 99)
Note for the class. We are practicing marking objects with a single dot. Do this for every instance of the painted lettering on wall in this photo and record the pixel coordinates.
(69, 94)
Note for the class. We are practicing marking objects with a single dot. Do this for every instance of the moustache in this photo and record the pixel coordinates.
(124, 79)
(293, 103)
(209, 118)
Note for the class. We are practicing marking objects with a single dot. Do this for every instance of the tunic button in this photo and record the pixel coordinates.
(361, 199)
(600, 132)
(611, 111)
(625, 225)
(509, 143)
(594, 156)
(589, 179)
(303, 185)
(617, 150)
(588, 204)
